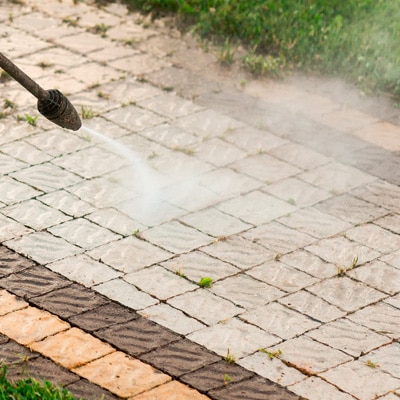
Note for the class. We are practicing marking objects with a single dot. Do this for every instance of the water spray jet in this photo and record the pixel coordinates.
(52, 104)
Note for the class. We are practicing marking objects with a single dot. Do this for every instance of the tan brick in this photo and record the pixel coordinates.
(383, 134)
(171, 391)
(122, 375)
(72, 348)
(30, 325)
(10, 303)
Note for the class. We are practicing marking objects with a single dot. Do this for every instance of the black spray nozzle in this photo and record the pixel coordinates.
(51, 103)
(57, 108)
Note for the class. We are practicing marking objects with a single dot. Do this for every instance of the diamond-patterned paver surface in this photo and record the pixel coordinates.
(286, 194)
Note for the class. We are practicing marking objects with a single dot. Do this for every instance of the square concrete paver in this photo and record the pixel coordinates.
(122, 375)
(348, 337)
(361, 381)
(200, 302)
(235, 337)
(10, 303)
(72, 348)
(256, 208)
(31, 325)
(171, 391)
(280, 321)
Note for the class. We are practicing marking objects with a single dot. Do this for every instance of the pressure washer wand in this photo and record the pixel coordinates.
(51, 103)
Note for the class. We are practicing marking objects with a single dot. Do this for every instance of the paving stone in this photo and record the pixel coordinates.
(10, 303)
(381, 193)
(281, 321)
(348, 119)
(218, 152)
(89, 391)
(311, 305)
(394, 301)
(361, 381)
(245, 291)
(381, 318)
(129, 254)
(169, 105)
(126, 294)
(173, 391)
(11, 262)
(253, 140)
(133, 336)
(282, 276)
(111, 54)
(121, 374)
(351, 209)
(345, 293)
(278, 238)
(11, 229)
(336, 178)
(83, 233)
(256, 208)
(348, 337)
(196, 265)
(103, 316)
(310, 356)
(215, 223)
(176, 237)
(84, 270)
(375, 237)
(265, 168)
(12, 353)
(46, 177)
(309, 263)
(199, 302)
(35, 214)
(9, 164)
(67, 203)
(387, 357)
(159, 282)
(134, 118)
(315, 223)
(234, 337)
(253, 389)
(13, 191)
(33, 281)
(240, 252)
(171, 318)
(273, 369)
(72, 348)
(115, 221)
(392, 259)
(139, 64)
(43, 247)
(90, 162)
(68, 301)
(229, 183)
(297, 192)
(180, 357)
(208, 123)
(341, 251)
(41, 368)
(25, 152)
(382, 134)
(30, 325)
(390, 222)
(378, 275)
(314, 388)
(84, 42)
(214, 376)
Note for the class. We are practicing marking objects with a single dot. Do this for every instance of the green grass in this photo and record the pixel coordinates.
(31, 389)
(356, 39)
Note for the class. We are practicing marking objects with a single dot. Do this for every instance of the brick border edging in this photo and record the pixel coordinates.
(126, 330)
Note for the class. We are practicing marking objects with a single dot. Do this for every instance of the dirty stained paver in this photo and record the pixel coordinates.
(285, 193)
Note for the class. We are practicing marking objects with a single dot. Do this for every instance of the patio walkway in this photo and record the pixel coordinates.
(285, 193)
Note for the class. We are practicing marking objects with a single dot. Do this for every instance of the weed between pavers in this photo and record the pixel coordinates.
(205, 282)
(271, 354)
(230, 358)
(28, 118)
(341, 271)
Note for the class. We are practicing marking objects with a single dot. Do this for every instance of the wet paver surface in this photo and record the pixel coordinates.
(285, 193)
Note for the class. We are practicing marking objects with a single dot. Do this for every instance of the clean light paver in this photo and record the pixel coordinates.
(283, 193)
